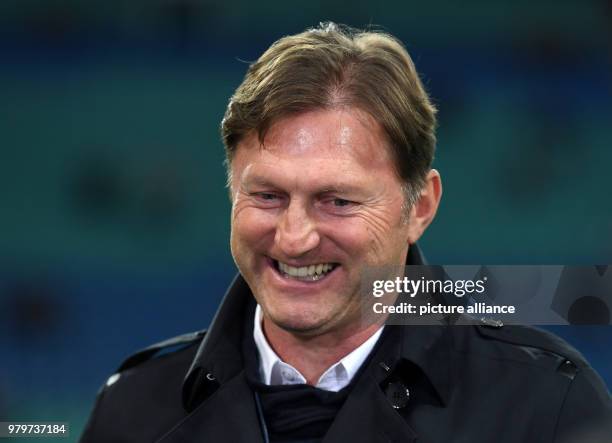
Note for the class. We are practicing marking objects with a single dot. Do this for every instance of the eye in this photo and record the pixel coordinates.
(339, 206)
(266, 196)
(266, 199)
(340, 202)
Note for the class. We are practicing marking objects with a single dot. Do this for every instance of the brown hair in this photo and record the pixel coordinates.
(332, 66)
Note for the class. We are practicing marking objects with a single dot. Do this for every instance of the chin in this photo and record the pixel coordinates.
(299, 321)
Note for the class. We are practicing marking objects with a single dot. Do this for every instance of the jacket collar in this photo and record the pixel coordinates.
(219, 357)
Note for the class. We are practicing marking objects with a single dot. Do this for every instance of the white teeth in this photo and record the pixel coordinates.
(311, 272)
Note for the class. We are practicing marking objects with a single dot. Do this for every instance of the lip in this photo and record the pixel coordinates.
(301, 286)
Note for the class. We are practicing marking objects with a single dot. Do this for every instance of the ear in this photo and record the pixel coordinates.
(424, 210)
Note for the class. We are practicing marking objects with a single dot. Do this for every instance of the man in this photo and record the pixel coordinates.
(329, 142)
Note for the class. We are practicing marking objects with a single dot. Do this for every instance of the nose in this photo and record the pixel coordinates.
(296, 232)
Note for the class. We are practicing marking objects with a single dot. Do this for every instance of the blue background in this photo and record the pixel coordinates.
(114, 224)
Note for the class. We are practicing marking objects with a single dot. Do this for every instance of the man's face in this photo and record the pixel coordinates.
(312, 208)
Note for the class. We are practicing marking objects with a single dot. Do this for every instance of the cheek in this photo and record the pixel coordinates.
(351, 235)
(251, 227)
(370, 236)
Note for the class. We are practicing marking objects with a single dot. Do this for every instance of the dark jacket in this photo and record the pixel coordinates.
(463, 384)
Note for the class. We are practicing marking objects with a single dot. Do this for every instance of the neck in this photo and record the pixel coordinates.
(312, 356)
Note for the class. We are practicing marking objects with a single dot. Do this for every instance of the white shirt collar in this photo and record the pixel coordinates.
(274, 371)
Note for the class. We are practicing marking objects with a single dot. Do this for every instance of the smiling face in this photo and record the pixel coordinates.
(312, 208)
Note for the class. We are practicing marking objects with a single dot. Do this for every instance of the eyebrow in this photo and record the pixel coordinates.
(341, 188)
(257, 180)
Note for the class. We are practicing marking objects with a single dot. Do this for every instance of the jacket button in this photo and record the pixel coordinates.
(568, 368)
(113, 379)
(491, 323)
(398, 394)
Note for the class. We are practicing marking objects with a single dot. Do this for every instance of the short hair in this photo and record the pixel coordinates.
(337, 66)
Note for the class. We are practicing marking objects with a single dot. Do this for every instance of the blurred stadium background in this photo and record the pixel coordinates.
(115, 222)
